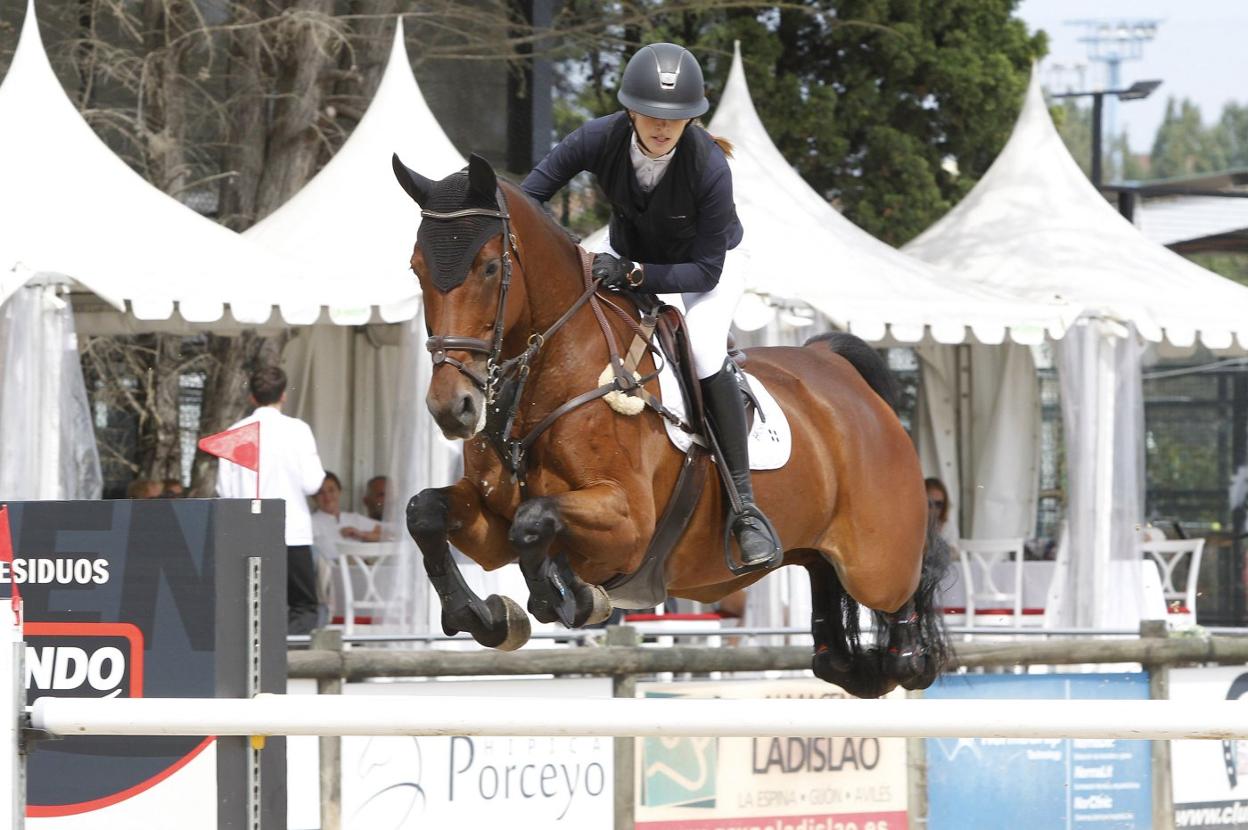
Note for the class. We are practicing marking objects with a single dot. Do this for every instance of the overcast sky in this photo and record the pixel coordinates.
(1200, 52)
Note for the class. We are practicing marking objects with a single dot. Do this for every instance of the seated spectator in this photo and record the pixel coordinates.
(330, 522)
(143, 488)
(375, 497)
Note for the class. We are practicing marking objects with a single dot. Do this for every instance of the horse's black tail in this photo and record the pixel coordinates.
(871, 671)
(865, 359)
(933, 636)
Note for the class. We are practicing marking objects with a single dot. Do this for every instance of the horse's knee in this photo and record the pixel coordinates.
(535, 520)
(427, 513)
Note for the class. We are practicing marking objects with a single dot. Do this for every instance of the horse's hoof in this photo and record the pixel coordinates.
(511, 627)
(602, 607)
(920, 672)
(542, 609)
(449, 628)
(862, 678)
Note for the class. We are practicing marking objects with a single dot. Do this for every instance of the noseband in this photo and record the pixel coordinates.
(502, 399)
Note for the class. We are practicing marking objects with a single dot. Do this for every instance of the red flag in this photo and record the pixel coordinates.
(242, 445)
(6, 554)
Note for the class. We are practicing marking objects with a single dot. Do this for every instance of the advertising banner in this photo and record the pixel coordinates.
(777, 783)
(409, 783)
(144, 599)
(1041, 783)
(1210, 778)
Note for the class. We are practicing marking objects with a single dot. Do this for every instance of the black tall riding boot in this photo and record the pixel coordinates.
(725, 406)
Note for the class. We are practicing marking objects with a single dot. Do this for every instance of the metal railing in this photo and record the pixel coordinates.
(586, 636)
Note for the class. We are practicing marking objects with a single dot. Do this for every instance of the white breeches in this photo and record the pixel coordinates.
(708, 317)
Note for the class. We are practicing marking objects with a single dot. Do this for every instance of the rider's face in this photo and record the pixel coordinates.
(658, 135)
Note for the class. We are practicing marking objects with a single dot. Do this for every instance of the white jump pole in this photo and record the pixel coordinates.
(352, 715)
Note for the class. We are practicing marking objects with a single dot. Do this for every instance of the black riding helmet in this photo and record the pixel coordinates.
(664, 80)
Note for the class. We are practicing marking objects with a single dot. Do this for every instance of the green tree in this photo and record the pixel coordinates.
(1183, 145)
(915, 83)
(1134, 168)
(1231, 135)
(867, 99)
(1074, 125)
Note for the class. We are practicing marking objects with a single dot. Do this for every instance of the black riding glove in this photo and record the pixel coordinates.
(615, 273)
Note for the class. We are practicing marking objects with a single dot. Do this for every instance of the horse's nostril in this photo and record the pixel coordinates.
(466, 408)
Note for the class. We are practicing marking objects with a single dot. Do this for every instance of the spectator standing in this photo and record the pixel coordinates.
(291, 470)
(938, 507)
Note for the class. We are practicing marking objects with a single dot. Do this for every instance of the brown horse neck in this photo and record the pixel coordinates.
(551, 263)
(572, 358)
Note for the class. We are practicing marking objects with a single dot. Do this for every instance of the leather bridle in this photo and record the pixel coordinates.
(502, 399)
(501, 407)
(439, 344)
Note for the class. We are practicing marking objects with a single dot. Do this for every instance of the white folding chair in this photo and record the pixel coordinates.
(362, 572)
(993, 598)
(1169, 555)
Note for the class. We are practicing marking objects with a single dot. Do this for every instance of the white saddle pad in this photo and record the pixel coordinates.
(771, 440)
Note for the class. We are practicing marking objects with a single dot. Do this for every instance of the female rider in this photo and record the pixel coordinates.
(673, 219)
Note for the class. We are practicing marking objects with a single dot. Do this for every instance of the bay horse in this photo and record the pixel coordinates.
(574, 491)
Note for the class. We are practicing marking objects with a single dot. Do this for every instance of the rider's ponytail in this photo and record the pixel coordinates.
(723, 143)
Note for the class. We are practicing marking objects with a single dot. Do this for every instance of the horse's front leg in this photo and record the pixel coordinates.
(595, 519)
(432, 515)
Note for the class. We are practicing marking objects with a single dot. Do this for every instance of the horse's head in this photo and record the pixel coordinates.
(464, 261)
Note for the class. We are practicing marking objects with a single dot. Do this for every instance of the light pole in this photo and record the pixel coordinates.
(1112, 42)
(1136, 92)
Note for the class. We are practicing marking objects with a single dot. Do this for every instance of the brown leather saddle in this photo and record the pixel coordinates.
(647, 586)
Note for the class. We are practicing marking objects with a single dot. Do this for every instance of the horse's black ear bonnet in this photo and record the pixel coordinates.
(450, 245)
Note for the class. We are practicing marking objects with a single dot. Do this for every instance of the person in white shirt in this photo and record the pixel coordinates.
(375, 497)
(330, 525)
(291, 470)
(330, 522)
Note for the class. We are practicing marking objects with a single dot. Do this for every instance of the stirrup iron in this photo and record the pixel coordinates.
(739, 566)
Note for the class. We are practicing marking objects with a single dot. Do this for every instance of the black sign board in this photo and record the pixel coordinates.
(147, 599)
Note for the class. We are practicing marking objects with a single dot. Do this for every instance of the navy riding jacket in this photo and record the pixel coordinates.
(681, 230)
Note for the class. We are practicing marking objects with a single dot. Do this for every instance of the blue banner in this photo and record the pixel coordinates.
(1040, 783)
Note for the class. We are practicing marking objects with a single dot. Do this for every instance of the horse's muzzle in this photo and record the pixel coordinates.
(460, 417)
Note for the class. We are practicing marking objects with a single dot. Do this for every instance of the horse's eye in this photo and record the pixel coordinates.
(491, 270)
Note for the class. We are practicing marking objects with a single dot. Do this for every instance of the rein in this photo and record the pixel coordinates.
(505, 379)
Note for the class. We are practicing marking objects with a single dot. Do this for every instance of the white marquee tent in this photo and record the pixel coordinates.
(362, 390)
(1034, 226)
(72, 208)
(797, 246)
(355, 220)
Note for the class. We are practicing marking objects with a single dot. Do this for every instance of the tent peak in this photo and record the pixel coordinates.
(1036, 227)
